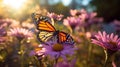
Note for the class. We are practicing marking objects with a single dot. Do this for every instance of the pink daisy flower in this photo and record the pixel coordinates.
(56, 50)
(109, 42)
(21, 33)
(38, 52)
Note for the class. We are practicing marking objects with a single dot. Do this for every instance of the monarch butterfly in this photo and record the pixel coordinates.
(47, 31)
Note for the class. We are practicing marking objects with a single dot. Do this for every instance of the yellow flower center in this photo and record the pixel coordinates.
(114, 44)
(57, 47)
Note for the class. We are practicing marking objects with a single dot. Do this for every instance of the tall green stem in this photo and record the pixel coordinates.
(56, 61)
(107, 58)
(22, 56)
(21, 52)
(89, 53)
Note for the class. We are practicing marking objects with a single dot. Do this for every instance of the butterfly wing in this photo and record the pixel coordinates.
(42, 23)
(44, 36)
(65, 38)
(69, 40)
(61, 37)
(45, 28)
(47, 31)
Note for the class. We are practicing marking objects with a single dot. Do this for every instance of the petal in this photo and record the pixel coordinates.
(111, 36)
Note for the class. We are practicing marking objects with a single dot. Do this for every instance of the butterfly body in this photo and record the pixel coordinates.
(48, 32)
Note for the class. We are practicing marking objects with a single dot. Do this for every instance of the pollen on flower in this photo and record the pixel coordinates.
(57, 47)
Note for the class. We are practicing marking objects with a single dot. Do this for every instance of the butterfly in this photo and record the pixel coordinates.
(48, 32)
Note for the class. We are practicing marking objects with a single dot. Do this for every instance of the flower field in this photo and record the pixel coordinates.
(42, 38)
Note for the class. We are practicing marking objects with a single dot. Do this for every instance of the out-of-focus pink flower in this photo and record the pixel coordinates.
(56, 50)
(74, 12)
(27, 25)
(72, 21)
(89, 18)
(4, 23)
(3, 32)
(38, 52)
(2, 39)
(109, 42)
(20, 33)
(13, 23)
(77, 12)
(85, 19)
(66, 63)
(55, 16)
(116, 23)
(82, 14)
(92, 19)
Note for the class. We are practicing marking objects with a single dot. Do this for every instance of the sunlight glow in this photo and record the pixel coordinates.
(66, 2)
(14, 3)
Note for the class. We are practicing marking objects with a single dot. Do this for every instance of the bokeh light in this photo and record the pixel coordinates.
(66, 2)
(14, 3)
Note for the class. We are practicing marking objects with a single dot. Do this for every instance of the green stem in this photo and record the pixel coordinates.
(22, 56)
(22, 52)
(89, 54)
(83, 29)
(39, 62)
(71, 30)
(107, 58)
(56, 60)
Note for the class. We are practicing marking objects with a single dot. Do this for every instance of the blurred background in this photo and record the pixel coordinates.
(21, 10)
(17, 13)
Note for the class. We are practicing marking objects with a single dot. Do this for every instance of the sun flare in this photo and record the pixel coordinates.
(14, 3)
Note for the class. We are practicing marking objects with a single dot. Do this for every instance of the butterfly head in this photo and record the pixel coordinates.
(38, 17)
(35, 17)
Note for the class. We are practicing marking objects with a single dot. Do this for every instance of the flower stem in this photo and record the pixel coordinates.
(38, 62)
(89, 53)
(107, 58)
(22, 52)
(56, 60)
(22, 56)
